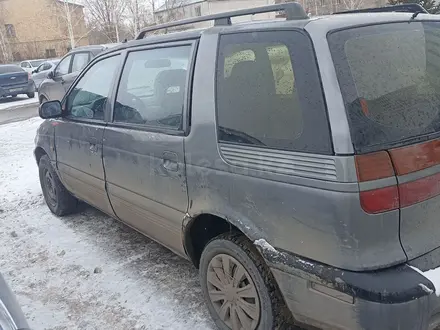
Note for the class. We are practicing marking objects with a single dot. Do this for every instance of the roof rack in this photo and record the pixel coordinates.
(292, 10)
(405, 8)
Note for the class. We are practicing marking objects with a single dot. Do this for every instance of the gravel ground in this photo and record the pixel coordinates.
(85, 271)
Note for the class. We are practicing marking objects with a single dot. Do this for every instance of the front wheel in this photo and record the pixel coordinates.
(31, 95)
(57, 198)
(238, 287)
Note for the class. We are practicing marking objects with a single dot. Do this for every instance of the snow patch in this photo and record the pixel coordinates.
(433, 275)
(262, 243)
(307, 263)
(425, 288)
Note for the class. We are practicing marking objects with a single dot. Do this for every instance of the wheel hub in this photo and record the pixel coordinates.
(233, 293)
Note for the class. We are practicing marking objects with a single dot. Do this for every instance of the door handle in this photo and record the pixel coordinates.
(170, 161)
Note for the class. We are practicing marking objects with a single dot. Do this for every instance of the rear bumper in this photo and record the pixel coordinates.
(25, 88)
(398, 298)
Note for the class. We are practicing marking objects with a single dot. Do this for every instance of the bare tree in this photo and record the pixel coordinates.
(107, 15)
(139, 13)
(353, 4)
(5, 47)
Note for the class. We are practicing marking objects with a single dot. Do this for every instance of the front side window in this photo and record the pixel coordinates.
(152, 88)
(40, 68)
(25, 65)
(389, 75)
(80, 61)
(269, 93)
(89, 97)
(64, 66)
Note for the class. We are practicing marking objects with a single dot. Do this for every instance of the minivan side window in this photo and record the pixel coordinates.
(269, 93)
(152, 88)
(89, 97)
(63, 67)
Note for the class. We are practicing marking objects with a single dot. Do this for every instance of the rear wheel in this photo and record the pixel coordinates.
(238, 287)
(57, 198)
(31, 95)
(15, 95)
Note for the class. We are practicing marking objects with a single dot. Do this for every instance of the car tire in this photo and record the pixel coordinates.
(15, 95)
(31, 95)
(243, 258)
(57, 198)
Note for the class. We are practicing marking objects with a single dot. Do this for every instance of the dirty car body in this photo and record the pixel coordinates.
(295, 139)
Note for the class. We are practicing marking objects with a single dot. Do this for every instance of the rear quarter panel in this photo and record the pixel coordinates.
(315, 217)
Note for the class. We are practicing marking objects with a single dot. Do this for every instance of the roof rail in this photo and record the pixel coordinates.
(292, 10)
(405, 8)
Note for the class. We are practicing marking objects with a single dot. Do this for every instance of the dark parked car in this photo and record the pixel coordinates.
(40, 73)
(11, 315)
(14, 80)
(58, 80)
(295, 162)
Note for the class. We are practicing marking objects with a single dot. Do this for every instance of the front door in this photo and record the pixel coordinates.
(79, 62)
(79, 134)
(144, 146)
(54, 87)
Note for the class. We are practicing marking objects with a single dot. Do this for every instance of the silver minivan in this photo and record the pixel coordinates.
(295, 162)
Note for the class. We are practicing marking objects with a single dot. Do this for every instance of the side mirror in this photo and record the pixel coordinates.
(34, 71)
(50, 109)
(51, 75)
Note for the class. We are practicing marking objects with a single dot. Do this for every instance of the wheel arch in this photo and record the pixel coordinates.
(39, 152)
(199, 229)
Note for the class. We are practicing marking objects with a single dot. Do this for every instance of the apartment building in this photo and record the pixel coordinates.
(40, 28)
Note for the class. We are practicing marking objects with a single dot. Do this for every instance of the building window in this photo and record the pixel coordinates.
(10, 31)
(198, 10)
(51, 53)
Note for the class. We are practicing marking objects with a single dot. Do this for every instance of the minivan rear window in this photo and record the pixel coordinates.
(389, 76)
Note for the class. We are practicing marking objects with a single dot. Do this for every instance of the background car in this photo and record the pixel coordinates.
(14, 80)
(31, 65)
(59, 80)
(11, 315)
(40, 73)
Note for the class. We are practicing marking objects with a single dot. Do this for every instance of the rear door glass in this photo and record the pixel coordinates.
(269, 94)
(389, 76)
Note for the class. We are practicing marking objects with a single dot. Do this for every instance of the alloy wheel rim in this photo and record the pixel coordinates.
(233, 293)
(50, 187)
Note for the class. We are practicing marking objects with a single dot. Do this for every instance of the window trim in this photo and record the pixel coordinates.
(331, 149)
(110, 95)
(193, 43)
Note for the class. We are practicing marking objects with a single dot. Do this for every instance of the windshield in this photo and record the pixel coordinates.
(36, 63)
(389, 77)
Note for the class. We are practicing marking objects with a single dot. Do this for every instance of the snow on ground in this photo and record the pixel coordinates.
(15, 102)
(50, 262)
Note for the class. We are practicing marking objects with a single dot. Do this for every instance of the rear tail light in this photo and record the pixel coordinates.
(404, 161)
(29, 76)
(372, 167)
